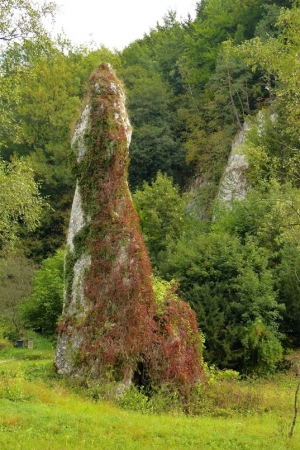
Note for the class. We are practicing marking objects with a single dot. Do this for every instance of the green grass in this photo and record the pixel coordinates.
(38, 410)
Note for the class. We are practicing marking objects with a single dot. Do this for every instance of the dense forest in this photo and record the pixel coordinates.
(190, 88)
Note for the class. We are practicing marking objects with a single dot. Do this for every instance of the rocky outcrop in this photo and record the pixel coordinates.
(108, 303)
(234, 184)
(110, 327)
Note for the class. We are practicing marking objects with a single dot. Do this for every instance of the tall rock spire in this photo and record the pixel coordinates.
(109, 302)
(110, 323)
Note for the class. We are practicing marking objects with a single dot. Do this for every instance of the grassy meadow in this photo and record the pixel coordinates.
(38, 410)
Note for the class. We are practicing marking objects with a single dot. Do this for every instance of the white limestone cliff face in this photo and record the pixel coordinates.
(234, 184)
(76, 303)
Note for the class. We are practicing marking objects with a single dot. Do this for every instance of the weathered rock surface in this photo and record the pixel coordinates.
(108, 300)
(109, 325)
(234, 184)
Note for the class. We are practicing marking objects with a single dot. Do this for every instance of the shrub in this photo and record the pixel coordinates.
(5, 344)
(42, 309)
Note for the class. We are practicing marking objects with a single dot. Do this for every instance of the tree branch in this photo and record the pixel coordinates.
(295, 405)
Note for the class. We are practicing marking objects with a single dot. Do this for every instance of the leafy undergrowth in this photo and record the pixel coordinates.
(38, 409)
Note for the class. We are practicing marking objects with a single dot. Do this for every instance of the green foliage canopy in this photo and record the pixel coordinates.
(20, 203)
(16, 275)
(231, 289)
(278, 58)
(269, 216)
(22, 19)
(162, 214)
(42, 309)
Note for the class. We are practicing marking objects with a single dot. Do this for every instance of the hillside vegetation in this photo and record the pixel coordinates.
(190, 88)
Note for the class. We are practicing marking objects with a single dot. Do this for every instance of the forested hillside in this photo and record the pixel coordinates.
(190, 87)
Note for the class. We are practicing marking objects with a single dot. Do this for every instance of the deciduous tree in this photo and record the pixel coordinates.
(42, 309)
(162, 214)
(20, 203)
(22, 19)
